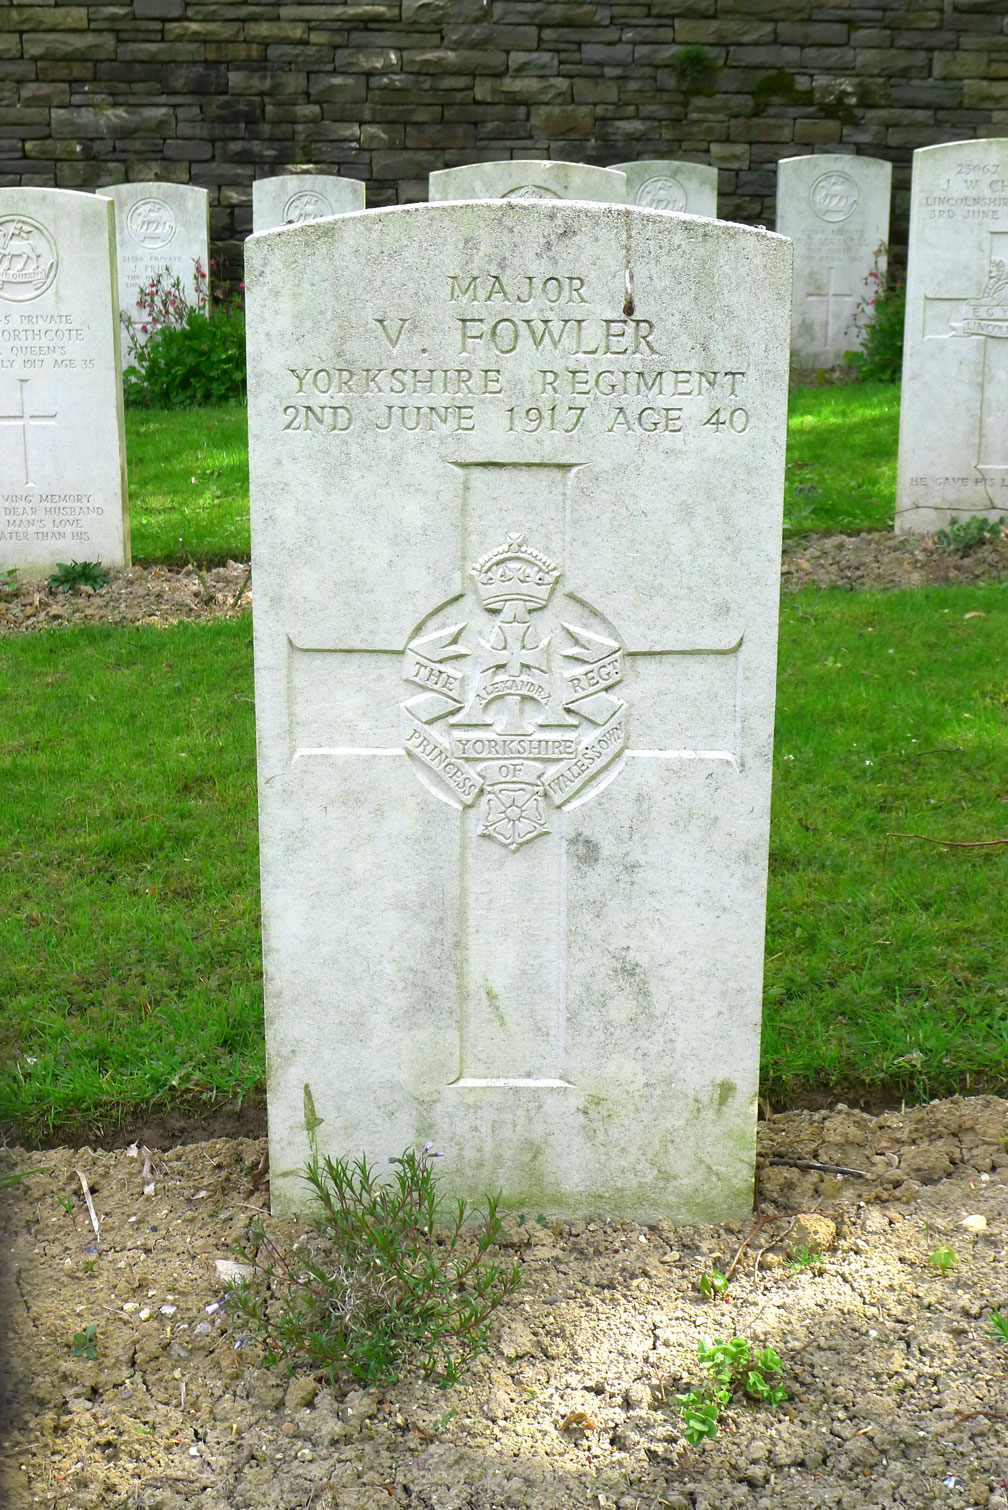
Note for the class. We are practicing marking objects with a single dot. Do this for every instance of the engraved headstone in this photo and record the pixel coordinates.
(516, 513)
(162, 232)
(62, 455)
(293, 198)
(835, 208)
(953, 443)
(518, 178)
(664, 184)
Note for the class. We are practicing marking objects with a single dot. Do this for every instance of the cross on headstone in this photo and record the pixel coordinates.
(983, 315)
(24, 420)
(837, 308)
(681, 706)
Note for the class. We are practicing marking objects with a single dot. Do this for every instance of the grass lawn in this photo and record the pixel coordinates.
(188, 472)
(129, 942)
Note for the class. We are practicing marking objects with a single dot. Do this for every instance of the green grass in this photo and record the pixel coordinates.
(188, 472)
(841, 458)
(129, 941)
(188, 482)
(886, 966)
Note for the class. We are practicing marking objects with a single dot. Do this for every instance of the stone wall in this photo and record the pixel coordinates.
(219, 92)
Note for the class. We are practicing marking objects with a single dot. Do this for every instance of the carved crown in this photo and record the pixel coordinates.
(515, 573)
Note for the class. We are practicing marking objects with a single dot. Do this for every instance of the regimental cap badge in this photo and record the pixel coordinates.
(515, 573)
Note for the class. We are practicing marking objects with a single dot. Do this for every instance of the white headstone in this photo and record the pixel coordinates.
(293, 198)
(517, 178)
(953, 442)
(516, 521)
(62, 455)
(835, 208)
(162, 231)
(665, 184)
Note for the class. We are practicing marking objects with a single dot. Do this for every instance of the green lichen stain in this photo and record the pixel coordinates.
(727, 1090)
(493, 1002)
(778, 88)
(312, 1120)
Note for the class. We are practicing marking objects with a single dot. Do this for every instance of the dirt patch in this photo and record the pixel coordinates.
(898, 1395)
(879, 561)
(142, 595)
(166, 595)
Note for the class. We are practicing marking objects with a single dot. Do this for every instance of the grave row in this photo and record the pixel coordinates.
(61, 458)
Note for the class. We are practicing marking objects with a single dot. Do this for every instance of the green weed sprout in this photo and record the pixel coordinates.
(803, 1257)
(943, 1259)
(85, 1344)
(962, 534)
(714, 1285)
(78, 574)
(392, 1284)
(735, 1368)
(998, 1328)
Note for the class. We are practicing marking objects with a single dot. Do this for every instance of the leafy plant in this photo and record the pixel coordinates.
(85, 1344)
(962, 534)
(9, 582)
(693, 63)
(392, 1284)
(714, 1285)
(735, 1368)
(803, 1257)
(943, 1259)
(998, 1328)
(185, 352)
(879, 320)
(78, 574)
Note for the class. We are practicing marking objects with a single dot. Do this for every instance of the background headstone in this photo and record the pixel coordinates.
(516, 522)
(666, 184)
(161, 229)
(293, 198)
(835, 208)
(953, 442)
(62, 457)
(518, 178)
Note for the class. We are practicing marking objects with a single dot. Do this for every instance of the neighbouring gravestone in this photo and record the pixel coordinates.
(293, 198)
(953, 441)
(835, 209)
(62, 455)
(664, 184)
(518, 178)
(516, 521)
(162, 233)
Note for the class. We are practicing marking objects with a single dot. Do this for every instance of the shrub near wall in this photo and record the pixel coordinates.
(219, 92)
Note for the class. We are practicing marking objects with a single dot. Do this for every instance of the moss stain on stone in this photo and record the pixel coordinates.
(778, 88)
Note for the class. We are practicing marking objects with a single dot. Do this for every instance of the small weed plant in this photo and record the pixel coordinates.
(9, 582)
(943, 1259)
(394, 1283)
(879, 320)
(962, 534)
(803, 1257)
(70, 574)
(85, 1344)
(185, 350)
(714, 1285)
(736, 1369)
(998, 1328)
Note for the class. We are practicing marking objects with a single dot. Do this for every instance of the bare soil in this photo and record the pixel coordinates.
(898, 1394)
(165, 595)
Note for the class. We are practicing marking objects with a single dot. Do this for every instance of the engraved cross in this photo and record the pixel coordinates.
(983, 315)
(24, 420)
(682, 704)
